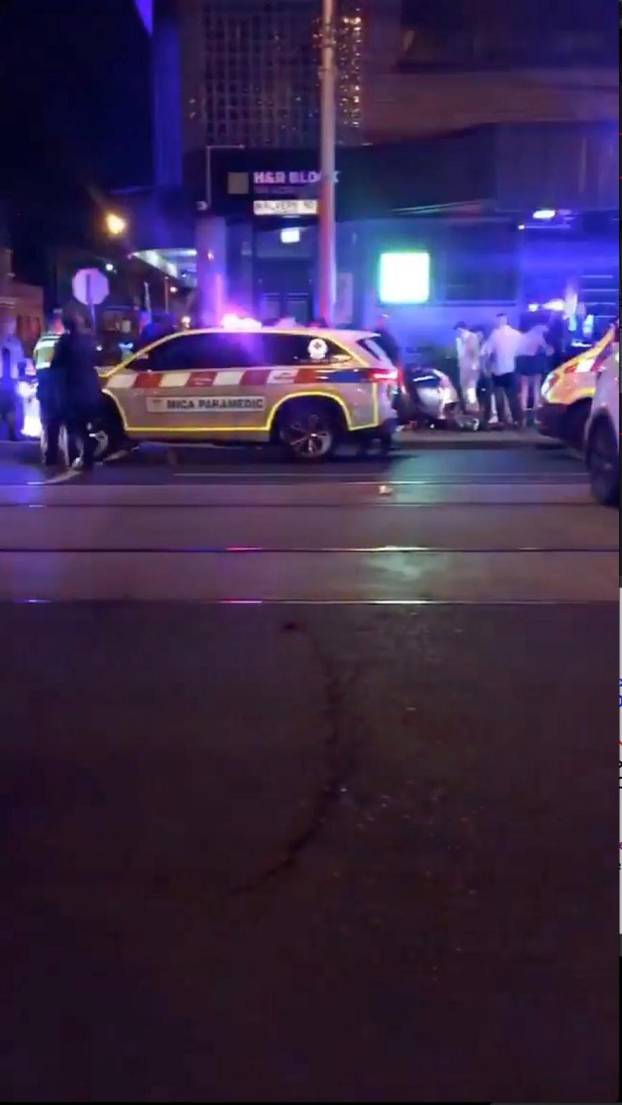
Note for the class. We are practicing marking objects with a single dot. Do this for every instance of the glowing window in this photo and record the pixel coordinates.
(404, 277)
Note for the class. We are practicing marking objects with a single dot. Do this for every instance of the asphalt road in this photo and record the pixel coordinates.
(308, 780)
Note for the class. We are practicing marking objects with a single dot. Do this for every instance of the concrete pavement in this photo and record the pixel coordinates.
(309, 854)
(276, 829)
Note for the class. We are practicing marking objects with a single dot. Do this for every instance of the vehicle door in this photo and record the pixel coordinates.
(317, 365)
(188, 385)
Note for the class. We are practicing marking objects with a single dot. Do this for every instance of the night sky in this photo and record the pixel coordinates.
(74, 111)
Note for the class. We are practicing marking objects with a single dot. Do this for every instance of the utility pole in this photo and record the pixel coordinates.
(328, 79)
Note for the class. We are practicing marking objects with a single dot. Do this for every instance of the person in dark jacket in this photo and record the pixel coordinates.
(153, 329)
(12, 362)
(74, 389)
(384, 338)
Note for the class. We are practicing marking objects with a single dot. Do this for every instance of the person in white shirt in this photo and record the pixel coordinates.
(501, 349)
(467, 349)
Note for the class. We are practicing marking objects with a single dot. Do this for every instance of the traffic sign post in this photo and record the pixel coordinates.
(90, 287)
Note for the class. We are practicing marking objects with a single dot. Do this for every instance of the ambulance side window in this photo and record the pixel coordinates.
(164, 358)
(196, 352)
(296, 349)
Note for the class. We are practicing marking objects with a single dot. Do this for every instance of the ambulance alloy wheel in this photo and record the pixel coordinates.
(309, 429)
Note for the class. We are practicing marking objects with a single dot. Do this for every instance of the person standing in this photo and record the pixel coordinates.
(12, 362)
(152, 329)
(385, 339)
(532, 364)
(75, 386)
(42, 356)
(468, 353)
(501, 349)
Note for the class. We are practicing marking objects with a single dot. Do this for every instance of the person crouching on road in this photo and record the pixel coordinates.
(74, 388)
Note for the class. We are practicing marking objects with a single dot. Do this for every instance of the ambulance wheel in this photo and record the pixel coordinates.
(107, 431)
(309, 429)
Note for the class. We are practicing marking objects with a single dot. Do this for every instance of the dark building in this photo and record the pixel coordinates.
(432, 66)
(250, 72)
(245, 72)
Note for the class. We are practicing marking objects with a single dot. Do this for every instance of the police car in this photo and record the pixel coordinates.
(305, 388)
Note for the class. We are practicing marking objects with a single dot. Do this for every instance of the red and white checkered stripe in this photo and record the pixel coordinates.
(250, 377)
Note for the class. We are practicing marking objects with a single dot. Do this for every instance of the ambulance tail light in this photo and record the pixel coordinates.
(384, 374)
(583, 364)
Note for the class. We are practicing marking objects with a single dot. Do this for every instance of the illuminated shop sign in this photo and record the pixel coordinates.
(299, 178)
(404, 277)
(285, 207)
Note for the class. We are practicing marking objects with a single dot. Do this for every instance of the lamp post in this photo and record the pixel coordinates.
(327, 253)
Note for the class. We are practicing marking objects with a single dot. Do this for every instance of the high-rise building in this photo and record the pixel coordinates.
(251, 72)
(434, 66)
(406, 68)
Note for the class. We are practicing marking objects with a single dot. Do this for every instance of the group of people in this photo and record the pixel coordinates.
(498, 373)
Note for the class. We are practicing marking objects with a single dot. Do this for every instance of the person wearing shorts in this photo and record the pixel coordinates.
(532, 365)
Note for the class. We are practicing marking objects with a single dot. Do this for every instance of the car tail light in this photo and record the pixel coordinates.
(584, 364)
(384, 374)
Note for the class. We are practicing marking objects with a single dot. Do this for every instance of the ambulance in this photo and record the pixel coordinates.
(567, 393)
(305, 388)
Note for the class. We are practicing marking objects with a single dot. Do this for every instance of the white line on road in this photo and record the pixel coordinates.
(345, 477)
(64, 477)
(347, 602)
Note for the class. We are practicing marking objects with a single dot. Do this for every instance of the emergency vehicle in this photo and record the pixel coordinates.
(602, 434)
(567, 393)
(305, 388)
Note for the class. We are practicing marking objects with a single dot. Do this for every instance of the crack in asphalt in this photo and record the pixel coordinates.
(339, 763)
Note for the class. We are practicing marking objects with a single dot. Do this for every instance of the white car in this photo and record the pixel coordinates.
(306, 388)
(602, 433)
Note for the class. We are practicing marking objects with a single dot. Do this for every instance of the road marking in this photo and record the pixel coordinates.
(65, 477)
(336, 602)
(346, 477)
(253, 504)
(232, 550)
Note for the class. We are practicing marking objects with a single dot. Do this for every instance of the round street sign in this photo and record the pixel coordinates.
(90, 286)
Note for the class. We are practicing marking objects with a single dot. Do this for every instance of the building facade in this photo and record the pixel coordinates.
(459, 122)
(246, 72)
(501, 216)
(434, 66)
(250, 72)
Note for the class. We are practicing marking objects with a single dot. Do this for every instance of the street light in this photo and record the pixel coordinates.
(115, 224)
(327, 258)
